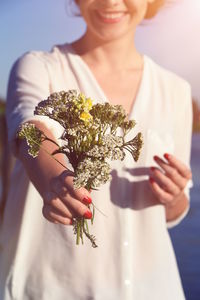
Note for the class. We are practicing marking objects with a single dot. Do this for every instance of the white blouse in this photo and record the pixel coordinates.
(134, 259)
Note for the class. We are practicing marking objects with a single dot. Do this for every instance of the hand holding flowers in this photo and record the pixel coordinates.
(89, 140)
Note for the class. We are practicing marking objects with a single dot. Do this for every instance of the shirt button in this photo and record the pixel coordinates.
(125, 244)
(127, 282)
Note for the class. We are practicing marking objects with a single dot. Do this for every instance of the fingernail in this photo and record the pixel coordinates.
(152, 168)
(70, 222)
(87, 214)
(167, 156)
(87, 200)
(151, 180)
(156, 157)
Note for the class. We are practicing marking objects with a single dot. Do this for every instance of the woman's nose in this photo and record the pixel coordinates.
(109, 3)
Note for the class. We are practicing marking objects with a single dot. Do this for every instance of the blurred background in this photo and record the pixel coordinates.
(171, 39)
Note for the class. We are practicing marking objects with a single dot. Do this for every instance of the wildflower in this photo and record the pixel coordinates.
(85, 116)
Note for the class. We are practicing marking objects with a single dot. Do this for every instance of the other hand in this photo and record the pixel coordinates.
(169, 179)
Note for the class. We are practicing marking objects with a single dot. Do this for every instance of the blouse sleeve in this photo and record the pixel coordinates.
(183, 136)
(28, 85)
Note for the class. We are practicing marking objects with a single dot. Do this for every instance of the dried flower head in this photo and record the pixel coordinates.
(33, 137)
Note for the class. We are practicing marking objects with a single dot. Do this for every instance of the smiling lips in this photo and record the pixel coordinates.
(111, 17)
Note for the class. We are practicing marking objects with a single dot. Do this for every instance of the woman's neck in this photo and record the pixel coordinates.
(116, 55)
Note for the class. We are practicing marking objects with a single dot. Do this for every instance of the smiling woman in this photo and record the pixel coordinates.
(152, 9)
(124, 16)
(135, 258)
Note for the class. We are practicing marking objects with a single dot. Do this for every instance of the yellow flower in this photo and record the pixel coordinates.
(88, 104)
(84, 103)
(85, 116)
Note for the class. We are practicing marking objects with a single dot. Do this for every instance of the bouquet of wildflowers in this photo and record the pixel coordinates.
(89, 141)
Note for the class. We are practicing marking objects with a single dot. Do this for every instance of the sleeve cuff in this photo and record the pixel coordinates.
(175, 222)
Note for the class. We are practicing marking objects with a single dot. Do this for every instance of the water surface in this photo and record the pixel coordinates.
(186, 236)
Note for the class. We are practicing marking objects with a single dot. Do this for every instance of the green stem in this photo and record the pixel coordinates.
(78, 233)
(48, 152)
(86, 225)
(99, 210)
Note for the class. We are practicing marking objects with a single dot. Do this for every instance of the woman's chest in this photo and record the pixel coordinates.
(120, 88)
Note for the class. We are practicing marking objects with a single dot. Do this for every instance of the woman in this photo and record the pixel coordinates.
(134, 258)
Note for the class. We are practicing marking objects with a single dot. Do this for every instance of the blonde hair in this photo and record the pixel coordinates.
(153, 8)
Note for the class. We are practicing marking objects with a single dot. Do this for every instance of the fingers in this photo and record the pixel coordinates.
(76, 200)
(165, 182)
(177, 164)
(169, 181)
(57, 204)
(174, 173)
(54, 210)
(52, 215)
(65, 183)
(163, 196)
(62, 203)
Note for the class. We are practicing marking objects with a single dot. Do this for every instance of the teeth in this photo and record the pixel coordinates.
(111, 15)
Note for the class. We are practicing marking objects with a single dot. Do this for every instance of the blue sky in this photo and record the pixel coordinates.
(32, 25)
(172, 38)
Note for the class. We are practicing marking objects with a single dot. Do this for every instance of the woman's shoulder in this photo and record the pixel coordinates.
(167, 78)
(36, 58)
